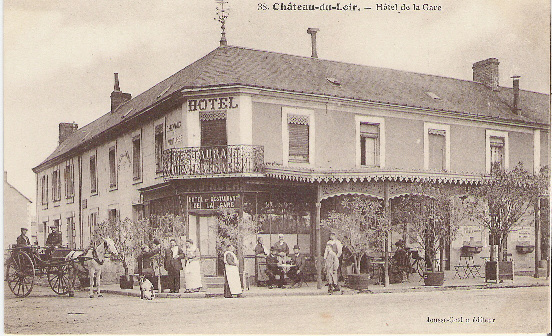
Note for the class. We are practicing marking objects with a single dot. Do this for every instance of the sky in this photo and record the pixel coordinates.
(59, 56)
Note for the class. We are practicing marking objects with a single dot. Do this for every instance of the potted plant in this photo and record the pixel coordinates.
(431, 216)
(358, 225)
(499, 204)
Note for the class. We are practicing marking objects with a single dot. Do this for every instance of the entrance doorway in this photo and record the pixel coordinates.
(202, 230)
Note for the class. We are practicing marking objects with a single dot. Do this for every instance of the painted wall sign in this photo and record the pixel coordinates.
(213, 201)
(211, 104)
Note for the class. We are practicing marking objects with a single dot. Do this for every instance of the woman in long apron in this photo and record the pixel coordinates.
(193, 267)
(232, 285)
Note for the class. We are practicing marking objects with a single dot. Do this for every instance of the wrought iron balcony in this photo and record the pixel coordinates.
(215, 161)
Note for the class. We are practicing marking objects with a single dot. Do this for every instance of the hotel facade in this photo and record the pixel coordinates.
(281, 139)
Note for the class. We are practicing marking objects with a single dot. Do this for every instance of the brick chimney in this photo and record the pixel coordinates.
(117, 97)
(515, 103)
(312, 32)
(486, 73)
(65, 130)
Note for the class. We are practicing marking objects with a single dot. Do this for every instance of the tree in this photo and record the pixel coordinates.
(359, 225)
(431, 216)
(503, 199)
(127, 235)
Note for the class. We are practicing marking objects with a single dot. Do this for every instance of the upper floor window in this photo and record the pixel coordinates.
(159, 147)
(69, 177)
(370, 141)
(112, 167)
(56, 185)
(213, 128)
(369, 144)
(497, 150)
(93, 175)
(44, 189)
(298, 135)
(137, 157)
(436, 147)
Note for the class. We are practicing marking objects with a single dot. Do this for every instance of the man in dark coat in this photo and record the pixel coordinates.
(173, 265)
(22, 239)
(401, 262)
(54, 238)
(272, 269)
(295, 273)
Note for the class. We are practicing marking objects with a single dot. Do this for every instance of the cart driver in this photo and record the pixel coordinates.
(22, 239)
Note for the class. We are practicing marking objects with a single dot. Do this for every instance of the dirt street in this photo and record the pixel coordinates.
(519, 310)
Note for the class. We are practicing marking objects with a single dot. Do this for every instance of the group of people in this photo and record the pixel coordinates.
(280, 263)
(149, 264)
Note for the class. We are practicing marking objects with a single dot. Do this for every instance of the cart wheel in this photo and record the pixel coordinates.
(21, 273)
(58, 278)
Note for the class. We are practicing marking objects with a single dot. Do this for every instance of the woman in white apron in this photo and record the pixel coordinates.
(232, 285)
(193, 269)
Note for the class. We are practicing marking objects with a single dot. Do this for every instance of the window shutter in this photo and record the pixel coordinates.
(437, 157)
(213, 132)
(369, 144)
(298, 142)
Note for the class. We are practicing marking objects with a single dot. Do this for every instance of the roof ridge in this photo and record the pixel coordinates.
(364, 65)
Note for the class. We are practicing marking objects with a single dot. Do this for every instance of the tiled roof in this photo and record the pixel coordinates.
(230, 65)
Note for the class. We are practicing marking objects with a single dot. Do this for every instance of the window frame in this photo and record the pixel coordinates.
(69, 177)
(56, 185)
(158, 155)
(44, 190)
(498, 134)
(285, 135)
(137, 138)
(439, 127)
(364, 119)
(93, 177)
(112, 166)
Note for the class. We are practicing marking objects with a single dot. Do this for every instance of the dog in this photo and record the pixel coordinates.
(146, 289)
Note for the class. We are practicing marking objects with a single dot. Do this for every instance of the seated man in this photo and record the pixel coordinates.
(54, 238)
(22, 239)
(295, 273)
(272, 269)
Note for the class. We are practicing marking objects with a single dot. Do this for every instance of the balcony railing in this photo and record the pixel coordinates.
(213, 161)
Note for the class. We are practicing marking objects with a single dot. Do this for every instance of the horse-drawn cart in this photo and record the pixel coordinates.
(28, 262)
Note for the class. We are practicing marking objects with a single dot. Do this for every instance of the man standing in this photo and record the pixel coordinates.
(173, 265)
(281, 245)
(22, 239)
(295, 273)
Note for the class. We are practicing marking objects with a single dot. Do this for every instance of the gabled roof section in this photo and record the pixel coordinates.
(228, 65)
(7, 184)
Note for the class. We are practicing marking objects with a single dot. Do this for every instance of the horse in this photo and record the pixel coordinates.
(90, 261)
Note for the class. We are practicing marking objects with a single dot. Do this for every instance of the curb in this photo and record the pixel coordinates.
(321, 292)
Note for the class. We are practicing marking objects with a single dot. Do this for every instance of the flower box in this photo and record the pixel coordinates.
(470, 250)
(524, 249)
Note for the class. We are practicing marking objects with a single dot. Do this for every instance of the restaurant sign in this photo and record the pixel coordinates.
(211, 201)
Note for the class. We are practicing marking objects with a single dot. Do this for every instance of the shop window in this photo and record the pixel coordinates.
(369, 144)
(112, 168)
(93, 175)
(213, 128)
(159, 147)
(137, 158)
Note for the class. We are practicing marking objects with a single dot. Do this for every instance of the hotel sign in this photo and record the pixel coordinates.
(212, 104)
(205, 202)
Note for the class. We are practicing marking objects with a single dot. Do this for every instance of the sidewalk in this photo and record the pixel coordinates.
(415, 284)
